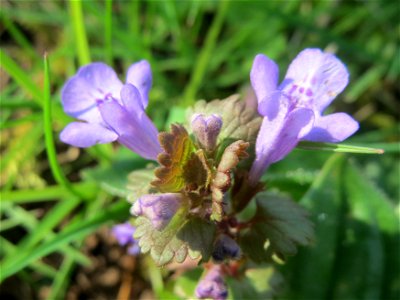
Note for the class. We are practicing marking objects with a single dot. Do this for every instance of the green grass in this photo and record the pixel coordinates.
(197, 50)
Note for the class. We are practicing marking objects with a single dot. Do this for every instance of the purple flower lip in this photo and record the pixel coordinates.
(158, 208)
(110, 111)
(293, 111)
(212, 285)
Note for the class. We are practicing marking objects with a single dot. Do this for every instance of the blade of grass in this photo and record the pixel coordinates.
(50, 220)
(29, 222)
(18, 36)
(61, 279)
(60, 282)
(48, 134)
(25, 146)
(200, 67)
(51, 193)
(108, 32)
(15, 104)
(20, 76)
(339, 148)
(71, 233)
(38, 266)
(20, 121)
(81, 42)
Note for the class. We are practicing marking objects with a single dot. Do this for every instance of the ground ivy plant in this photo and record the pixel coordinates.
(203, 199)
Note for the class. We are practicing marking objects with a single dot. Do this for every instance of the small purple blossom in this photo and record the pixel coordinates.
(212, 285)
(124, 235)
(225, 248)
(109, 110)
(206, 130)
(293, 111)
(158, 208)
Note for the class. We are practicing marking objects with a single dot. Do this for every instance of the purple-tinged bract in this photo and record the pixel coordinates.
(212, 285)
(109, 110)
(158, 208)
(293, 111)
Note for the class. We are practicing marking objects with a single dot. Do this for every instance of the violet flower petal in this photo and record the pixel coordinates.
(264, 76)
(318, 76)
(84, 135)
(139, 75)
(92, 82)
(273, 105)
(332, 128)
(124, 233)
(134, 249)
(312, 81)
(278, 137)
(131, 99)
(135, 132)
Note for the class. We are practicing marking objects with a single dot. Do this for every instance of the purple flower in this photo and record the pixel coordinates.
(206, 130)
(225, 248)
(212, 285)
(109, 110)
(293, 110)
(158, 208)
(124, 235)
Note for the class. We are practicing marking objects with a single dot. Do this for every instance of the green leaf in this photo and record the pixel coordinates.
(339, 148)
(178, 149)
(139, 184)
(114, 178)
(181, 237)
(258, 283)
(71, 233)
(310, 271)
(364, 248)
(370, 204)
(186, 284)
(280, 222)
(240, 122)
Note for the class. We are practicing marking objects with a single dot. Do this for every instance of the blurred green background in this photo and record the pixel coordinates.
(51, 203)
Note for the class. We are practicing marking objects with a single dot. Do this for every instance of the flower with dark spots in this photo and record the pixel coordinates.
(158, 208)
(109, 110)
(212, 285)
(124, 235)
(225, 248)
(206, 130)
(293, 111)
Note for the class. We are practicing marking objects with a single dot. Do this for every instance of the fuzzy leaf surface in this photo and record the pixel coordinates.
(178, 149)
(139, 183)
(223, 177)
(281, 223)
(183, 236)
(261, 282)
(240, 122)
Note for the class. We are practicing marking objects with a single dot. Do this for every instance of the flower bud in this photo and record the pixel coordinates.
(158, 208)
(225, 248)
(212, 285)
(206, 130)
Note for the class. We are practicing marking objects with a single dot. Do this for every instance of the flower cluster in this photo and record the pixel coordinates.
(209, 172)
